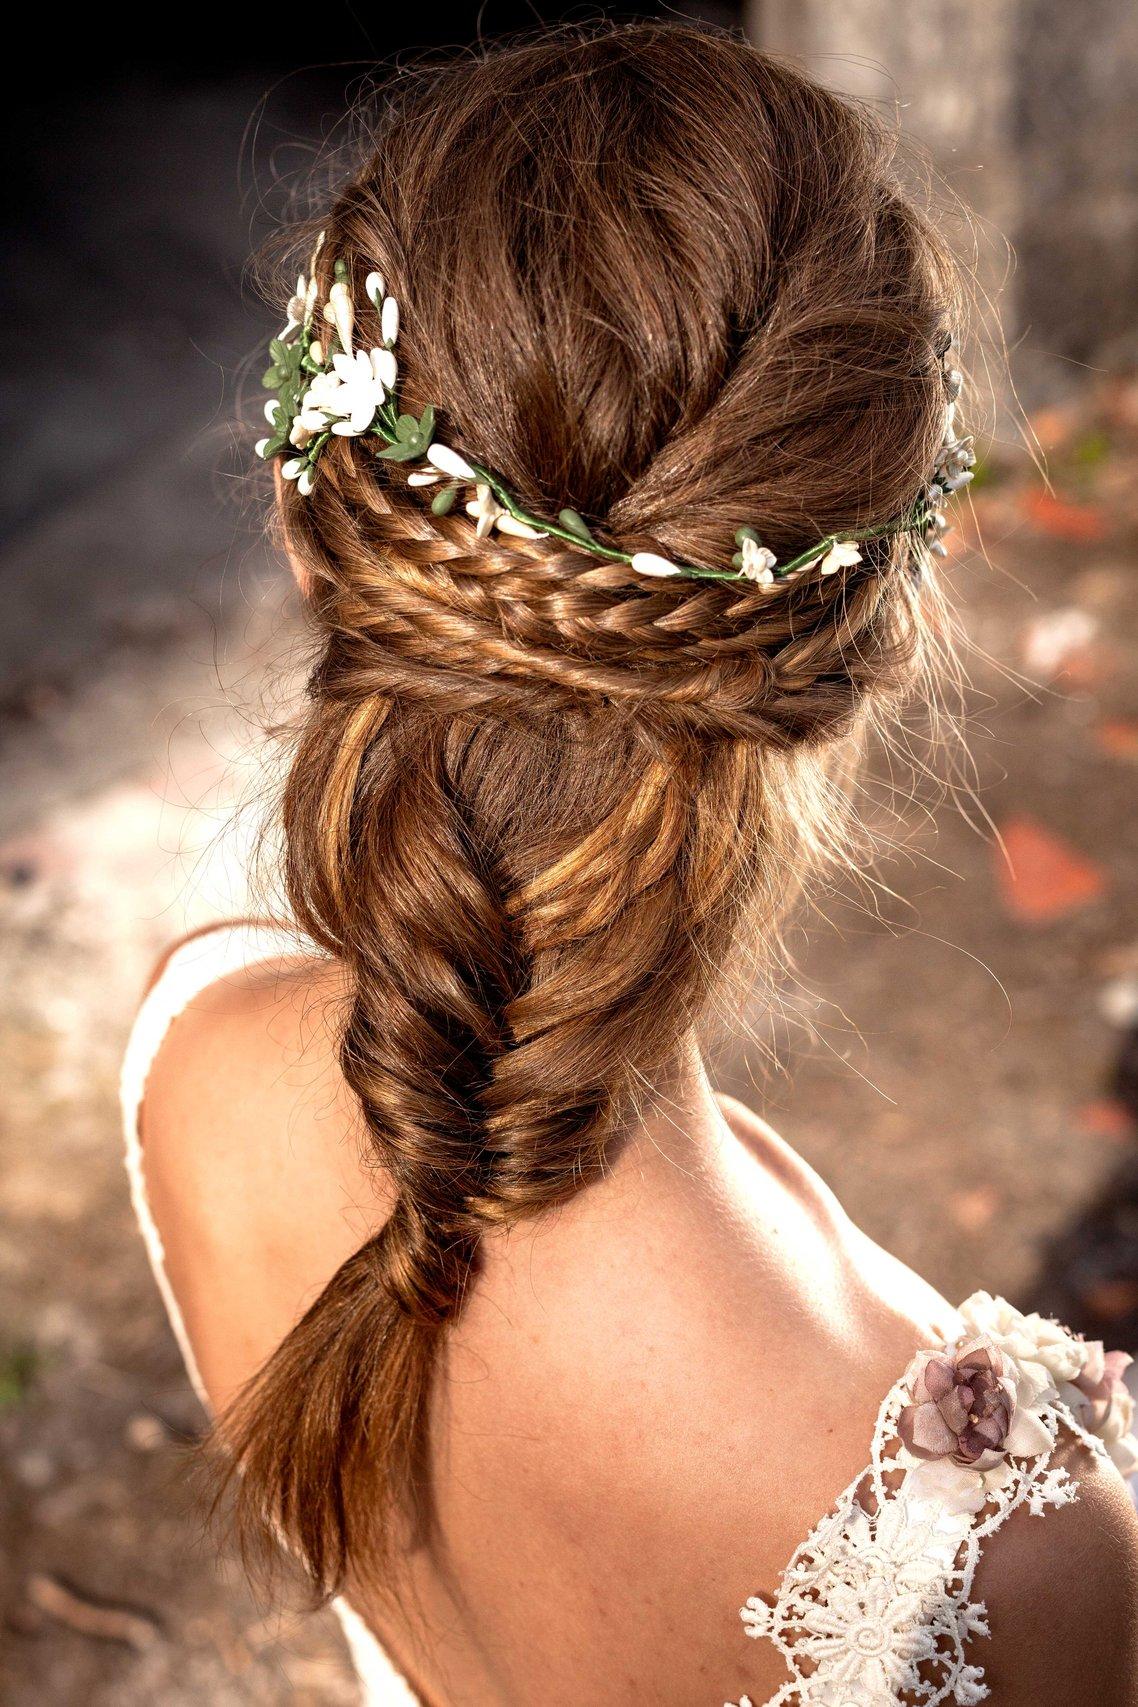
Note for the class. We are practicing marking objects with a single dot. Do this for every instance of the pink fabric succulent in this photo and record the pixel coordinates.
(1107, 1405)
(964, 1405)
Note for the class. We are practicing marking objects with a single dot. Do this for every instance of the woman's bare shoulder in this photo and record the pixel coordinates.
(252, 1160)
(900, 1300)
(1061, 1592)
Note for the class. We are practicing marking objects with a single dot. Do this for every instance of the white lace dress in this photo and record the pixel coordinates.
(876, 1607)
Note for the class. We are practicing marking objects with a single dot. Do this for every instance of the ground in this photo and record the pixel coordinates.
(955, 1051)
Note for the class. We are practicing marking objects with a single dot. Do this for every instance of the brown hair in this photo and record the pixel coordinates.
(652, 274)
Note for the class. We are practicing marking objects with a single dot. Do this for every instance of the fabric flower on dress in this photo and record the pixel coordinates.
(1104, 1404)
(965, 1407)
(1044, 1353)
(866, 1642)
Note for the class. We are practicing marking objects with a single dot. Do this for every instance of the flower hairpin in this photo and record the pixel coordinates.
(327, 388)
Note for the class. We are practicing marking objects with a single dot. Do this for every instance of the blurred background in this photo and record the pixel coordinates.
(960, 1060)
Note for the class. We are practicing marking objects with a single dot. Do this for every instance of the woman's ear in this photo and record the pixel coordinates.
(300, 572)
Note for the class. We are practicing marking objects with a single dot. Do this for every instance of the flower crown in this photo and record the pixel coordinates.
(327, 388)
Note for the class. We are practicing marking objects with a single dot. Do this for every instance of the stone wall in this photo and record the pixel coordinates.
(1027, 109)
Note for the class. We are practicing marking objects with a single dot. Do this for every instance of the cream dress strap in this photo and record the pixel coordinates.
(192, 968)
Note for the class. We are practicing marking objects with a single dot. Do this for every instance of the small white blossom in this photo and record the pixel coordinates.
(338, 312)
(423, 477)
(489, 514)
(389, 321)
(346, 398)
(316, 351)
(294, 467)
(758, 563)
(271, 408)
(373, 288)
(304, 484)
(261, 446)
(843, 554)
(300, 433)
(485, 510)
(386, 367)
(296, 309)
(448, 461)
(651, 563)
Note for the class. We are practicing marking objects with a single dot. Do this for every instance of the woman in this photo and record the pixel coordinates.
(538, 1355)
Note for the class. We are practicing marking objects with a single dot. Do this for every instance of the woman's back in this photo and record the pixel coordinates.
(626, 1444)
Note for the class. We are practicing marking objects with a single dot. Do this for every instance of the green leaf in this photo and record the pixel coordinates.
(17, 1369)
(574, 523)
(407, 427)
(444, 500)
(272, 379)
(427, 422)
(401, 452)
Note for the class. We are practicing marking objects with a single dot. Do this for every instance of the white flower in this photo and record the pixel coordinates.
(448, 461)
(346, 398)
(520, 530)
(261, 447)
(304, 484)
(389, 321)
(843, 554)
(485, 510)
(758, 563)
(316, 351)
(910, 1545)
(338, 312)
(386, 367)
(296, 309)
(294, 467)
(955, 1489)
(423, 477)
(300, 433)
(1041, 1353)
(489, 514)
(650, 563)
(271, 408)
(866, 1639)
(373, 288)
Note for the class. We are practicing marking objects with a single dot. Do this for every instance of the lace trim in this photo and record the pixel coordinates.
(876, 1605)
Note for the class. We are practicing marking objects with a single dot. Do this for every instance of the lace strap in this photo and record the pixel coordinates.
(877, 1603)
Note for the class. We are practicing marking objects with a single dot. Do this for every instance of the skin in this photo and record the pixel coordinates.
(650, 1399)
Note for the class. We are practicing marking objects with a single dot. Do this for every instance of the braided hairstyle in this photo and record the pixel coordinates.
(652, 274)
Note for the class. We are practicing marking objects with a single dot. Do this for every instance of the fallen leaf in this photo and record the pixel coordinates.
(1105, 1117)
(1053, 427)
(1111, 1299)
(1042, 877)
(973, 1210)
(1060, 518)
(1118, 738)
